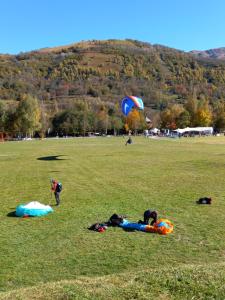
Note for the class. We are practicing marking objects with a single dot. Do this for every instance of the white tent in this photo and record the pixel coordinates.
(154, 130)
(205, 130)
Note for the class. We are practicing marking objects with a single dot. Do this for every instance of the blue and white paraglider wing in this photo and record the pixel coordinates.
(129, 102)
(127, 105)
(33, 209)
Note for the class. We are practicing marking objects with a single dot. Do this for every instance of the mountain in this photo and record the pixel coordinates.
(105, 71)
(218, 53)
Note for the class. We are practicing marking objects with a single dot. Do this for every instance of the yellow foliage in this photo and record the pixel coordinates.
(203, 117)
(134, 120)
(126, 127)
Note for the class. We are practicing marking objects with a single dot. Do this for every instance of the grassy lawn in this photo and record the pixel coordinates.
(101, 176)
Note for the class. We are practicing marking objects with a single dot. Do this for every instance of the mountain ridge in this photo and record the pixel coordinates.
(215, 53)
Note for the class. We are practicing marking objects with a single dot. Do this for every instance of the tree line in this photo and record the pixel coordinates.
(31, 118)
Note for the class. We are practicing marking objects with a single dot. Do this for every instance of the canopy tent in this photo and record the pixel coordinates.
(206, 130)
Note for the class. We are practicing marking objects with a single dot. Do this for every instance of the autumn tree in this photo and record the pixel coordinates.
(66, 122)
(9, 124)
(115, 118)
(103, 119)
(85, 117)
(219, 116)
(77, 120)
(170, 117)
(135, 121)
(184, 119)
(27, 116)
(203, 115)
(3, 116)
(191, 106)
(44, 121)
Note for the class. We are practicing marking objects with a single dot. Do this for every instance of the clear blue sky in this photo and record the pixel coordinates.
(183, 24)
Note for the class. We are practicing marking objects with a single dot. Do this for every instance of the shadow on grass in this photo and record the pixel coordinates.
(50, 158)
(12, 214)
(129, 229)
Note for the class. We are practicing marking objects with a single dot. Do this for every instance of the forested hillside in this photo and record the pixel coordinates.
(95, 75)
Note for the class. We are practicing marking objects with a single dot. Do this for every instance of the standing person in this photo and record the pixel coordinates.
(56, 187)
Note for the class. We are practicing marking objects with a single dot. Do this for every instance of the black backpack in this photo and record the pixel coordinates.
(115, 220)
(204, 200)
(59, 187)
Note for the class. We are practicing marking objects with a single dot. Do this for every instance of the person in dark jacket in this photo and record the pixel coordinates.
(129, 141)
(149, 214)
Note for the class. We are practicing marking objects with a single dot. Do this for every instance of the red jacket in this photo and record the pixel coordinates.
(54, 185)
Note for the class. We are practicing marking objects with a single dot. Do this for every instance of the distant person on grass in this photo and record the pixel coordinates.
(129, 141)
(56, 187)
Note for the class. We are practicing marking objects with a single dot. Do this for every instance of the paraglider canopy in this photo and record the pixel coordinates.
(33, 209)
(129, 102)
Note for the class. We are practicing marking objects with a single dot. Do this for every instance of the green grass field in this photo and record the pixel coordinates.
(56, 257)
